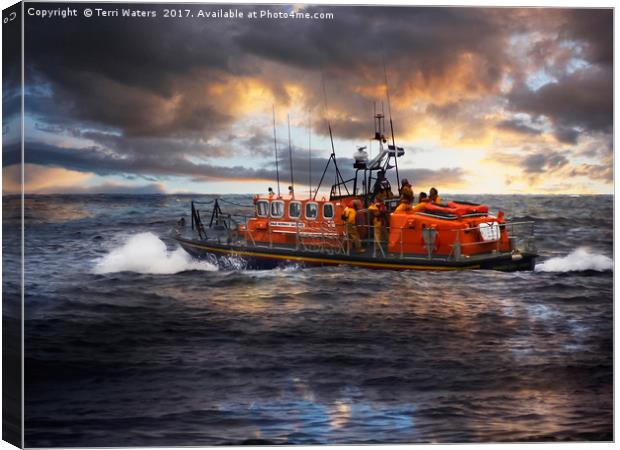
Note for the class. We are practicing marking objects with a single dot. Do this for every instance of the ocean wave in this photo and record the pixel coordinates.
(146, 253)
(578, 260)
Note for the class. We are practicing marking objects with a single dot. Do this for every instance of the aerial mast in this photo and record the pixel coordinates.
(290, 151)
(275, 147)
(387, 94)
(339, 179)
(309, 153)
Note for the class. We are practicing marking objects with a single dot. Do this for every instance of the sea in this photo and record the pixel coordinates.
(128, 341)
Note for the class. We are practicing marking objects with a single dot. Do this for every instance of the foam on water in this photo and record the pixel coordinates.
(578, 260)
(146, 253)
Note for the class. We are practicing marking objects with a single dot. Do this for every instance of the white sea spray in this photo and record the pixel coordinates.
(578, 260)
(146, 253)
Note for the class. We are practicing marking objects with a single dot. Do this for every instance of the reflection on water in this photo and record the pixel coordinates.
(315, 421)
(519, 415)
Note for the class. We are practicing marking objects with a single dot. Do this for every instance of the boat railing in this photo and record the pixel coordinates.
(334, 239)
(319, 238)
(520, 235)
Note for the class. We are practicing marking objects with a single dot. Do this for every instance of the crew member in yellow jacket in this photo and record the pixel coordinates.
(433, 196)
(377, 226)
(404, 206)
(350, 219)
(406, 190)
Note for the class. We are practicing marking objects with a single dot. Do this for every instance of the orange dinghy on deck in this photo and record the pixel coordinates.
(451, 230)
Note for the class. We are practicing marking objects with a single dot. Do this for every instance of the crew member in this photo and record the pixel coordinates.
(377, 226)
(406, 190)
(350, 219)
(434, 197)
(291, 191)
(270, 192)
(422, 202)
(382, 186)
(383, 211)
(404, 206)
(383, 214)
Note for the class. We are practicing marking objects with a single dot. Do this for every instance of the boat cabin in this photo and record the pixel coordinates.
(291, 221)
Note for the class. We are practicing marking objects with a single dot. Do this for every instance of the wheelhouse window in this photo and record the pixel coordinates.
(262, 208)
(312, 210)
(328, 211)
(294, 210)
(277, 208)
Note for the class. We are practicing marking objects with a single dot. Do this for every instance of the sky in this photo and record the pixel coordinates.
(484, 100)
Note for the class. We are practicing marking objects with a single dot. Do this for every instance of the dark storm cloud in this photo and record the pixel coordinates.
(148, 54)
(582, 100)
(11, 69)
(603, 172)
(11, 153)
(566, 135)
(518, 126)
(543, 162)
(153, 147)
(122, 73)
(594, 27)
(119, 72)
(427, 38)
(109, 188)
(11, 109)
(260, 142)
(101, 162)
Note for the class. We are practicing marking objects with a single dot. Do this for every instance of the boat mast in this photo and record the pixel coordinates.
(339, 179)
(387, 94)
(290, 151)
(275, 147)
(309, 153)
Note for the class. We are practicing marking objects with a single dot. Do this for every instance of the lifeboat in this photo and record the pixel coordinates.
(311, 231)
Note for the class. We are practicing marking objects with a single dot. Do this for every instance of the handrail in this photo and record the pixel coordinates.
(336, 232)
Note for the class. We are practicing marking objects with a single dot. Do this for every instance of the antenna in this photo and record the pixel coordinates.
(331, 138)
(387, 94)
(275, 147)
(309, 152)
(290, 151)
(339, 181)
